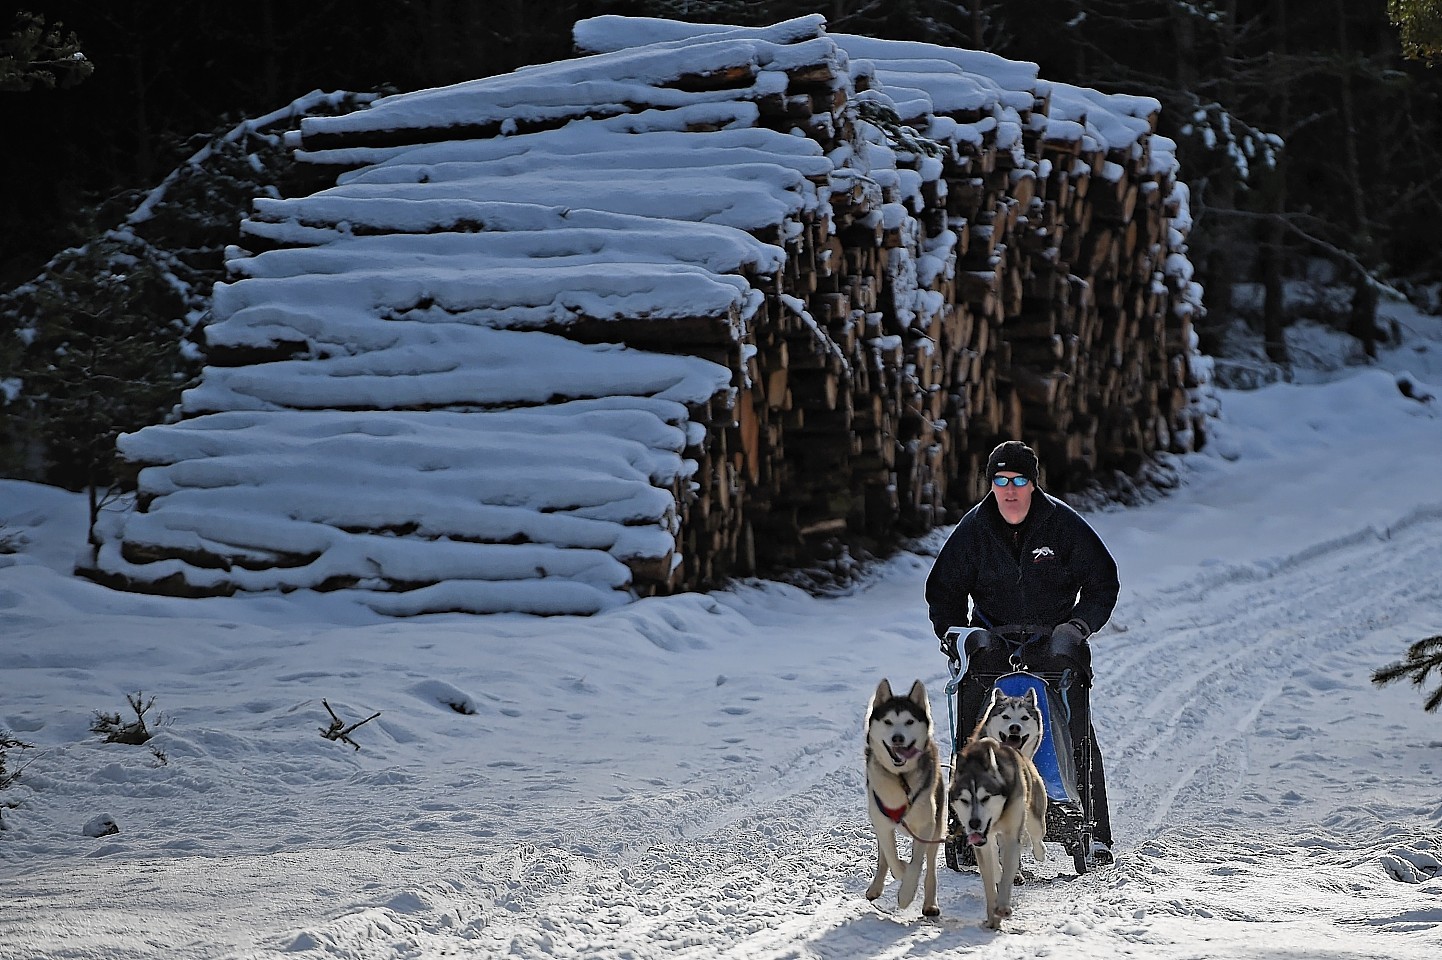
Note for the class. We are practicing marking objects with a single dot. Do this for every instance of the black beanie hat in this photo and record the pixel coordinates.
(1013, 456)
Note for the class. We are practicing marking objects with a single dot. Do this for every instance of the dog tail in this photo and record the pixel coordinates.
(1038, 848)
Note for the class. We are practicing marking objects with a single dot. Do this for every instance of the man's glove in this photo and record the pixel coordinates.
(1073, 633)
(948, 645)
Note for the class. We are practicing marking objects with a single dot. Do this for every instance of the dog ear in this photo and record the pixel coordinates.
(996, 694)
(882, 694)
(918, 696)
(1032, 700)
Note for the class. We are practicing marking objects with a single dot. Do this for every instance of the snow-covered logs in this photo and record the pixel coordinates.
(667, 313)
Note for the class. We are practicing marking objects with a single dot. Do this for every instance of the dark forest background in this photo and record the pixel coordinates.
(1313, 149)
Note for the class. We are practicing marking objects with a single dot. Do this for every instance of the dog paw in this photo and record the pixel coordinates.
(872, 894)
(931, 911)
(994, 919)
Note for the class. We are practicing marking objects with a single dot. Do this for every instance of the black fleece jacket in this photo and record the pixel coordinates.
(1049, 569)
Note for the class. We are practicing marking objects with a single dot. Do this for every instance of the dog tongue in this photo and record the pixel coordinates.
(975, 839)
(906, 753)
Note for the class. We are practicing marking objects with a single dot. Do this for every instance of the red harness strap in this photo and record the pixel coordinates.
(894, 814)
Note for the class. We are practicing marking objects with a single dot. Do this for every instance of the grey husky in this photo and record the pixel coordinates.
(1014, 721)
(904, 791)
(999, 799)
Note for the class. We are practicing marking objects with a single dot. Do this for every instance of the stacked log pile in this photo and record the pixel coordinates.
(1071, 311)
(743, 291)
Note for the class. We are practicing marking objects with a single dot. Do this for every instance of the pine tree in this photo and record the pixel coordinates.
(97, 363)
(1423, 657)
(34, 56)
(1421, 25)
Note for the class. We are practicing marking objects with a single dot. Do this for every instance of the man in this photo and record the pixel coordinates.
(1023, 557)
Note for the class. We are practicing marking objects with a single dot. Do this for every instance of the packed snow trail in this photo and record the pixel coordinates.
(1254, 771)
(1207, 691)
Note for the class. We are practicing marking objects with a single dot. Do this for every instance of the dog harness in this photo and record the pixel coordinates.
(894, 814)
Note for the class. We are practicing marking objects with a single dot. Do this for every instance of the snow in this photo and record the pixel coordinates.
(587, 475)
(681, 776)
(613, 83)
(615, 33)
(921, 78)
(746, 196)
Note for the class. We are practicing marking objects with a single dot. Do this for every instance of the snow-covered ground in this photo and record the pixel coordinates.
(681, 777)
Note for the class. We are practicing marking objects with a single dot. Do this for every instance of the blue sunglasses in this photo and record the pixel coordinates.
(1014, 481)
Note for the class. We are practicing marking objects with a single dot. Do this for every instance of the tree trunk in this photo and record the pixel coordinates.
(1274, 306)
(1362, 323)
(1273, 259)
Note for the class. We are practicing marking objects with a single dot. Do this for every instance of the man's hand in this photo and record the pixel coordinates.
(948, 645)
(1073, 633)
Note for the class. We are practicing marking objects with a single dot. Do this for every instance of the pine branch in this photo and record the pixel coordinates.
(338, 729)
(1335, 251)
(1423, 657)
(116, 730)
(33, 55)
(8, 742)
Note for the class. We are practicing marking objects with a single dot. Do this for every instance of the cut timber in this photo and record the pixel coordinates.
(686, 308)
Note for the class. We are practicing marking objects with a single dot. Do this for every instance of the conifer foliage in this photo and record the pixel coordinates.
(96, 363)
(1422, 658)
(35, 55)
(1421, 25)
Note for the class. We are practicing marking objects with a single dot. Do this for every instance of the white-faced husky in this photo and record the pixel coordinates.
(999, 799)
(1014, 721)
(904, 790)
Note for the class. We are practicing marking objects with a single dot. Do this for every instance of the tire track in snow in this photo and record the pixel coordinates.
(774, 864)
(1193, 747)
